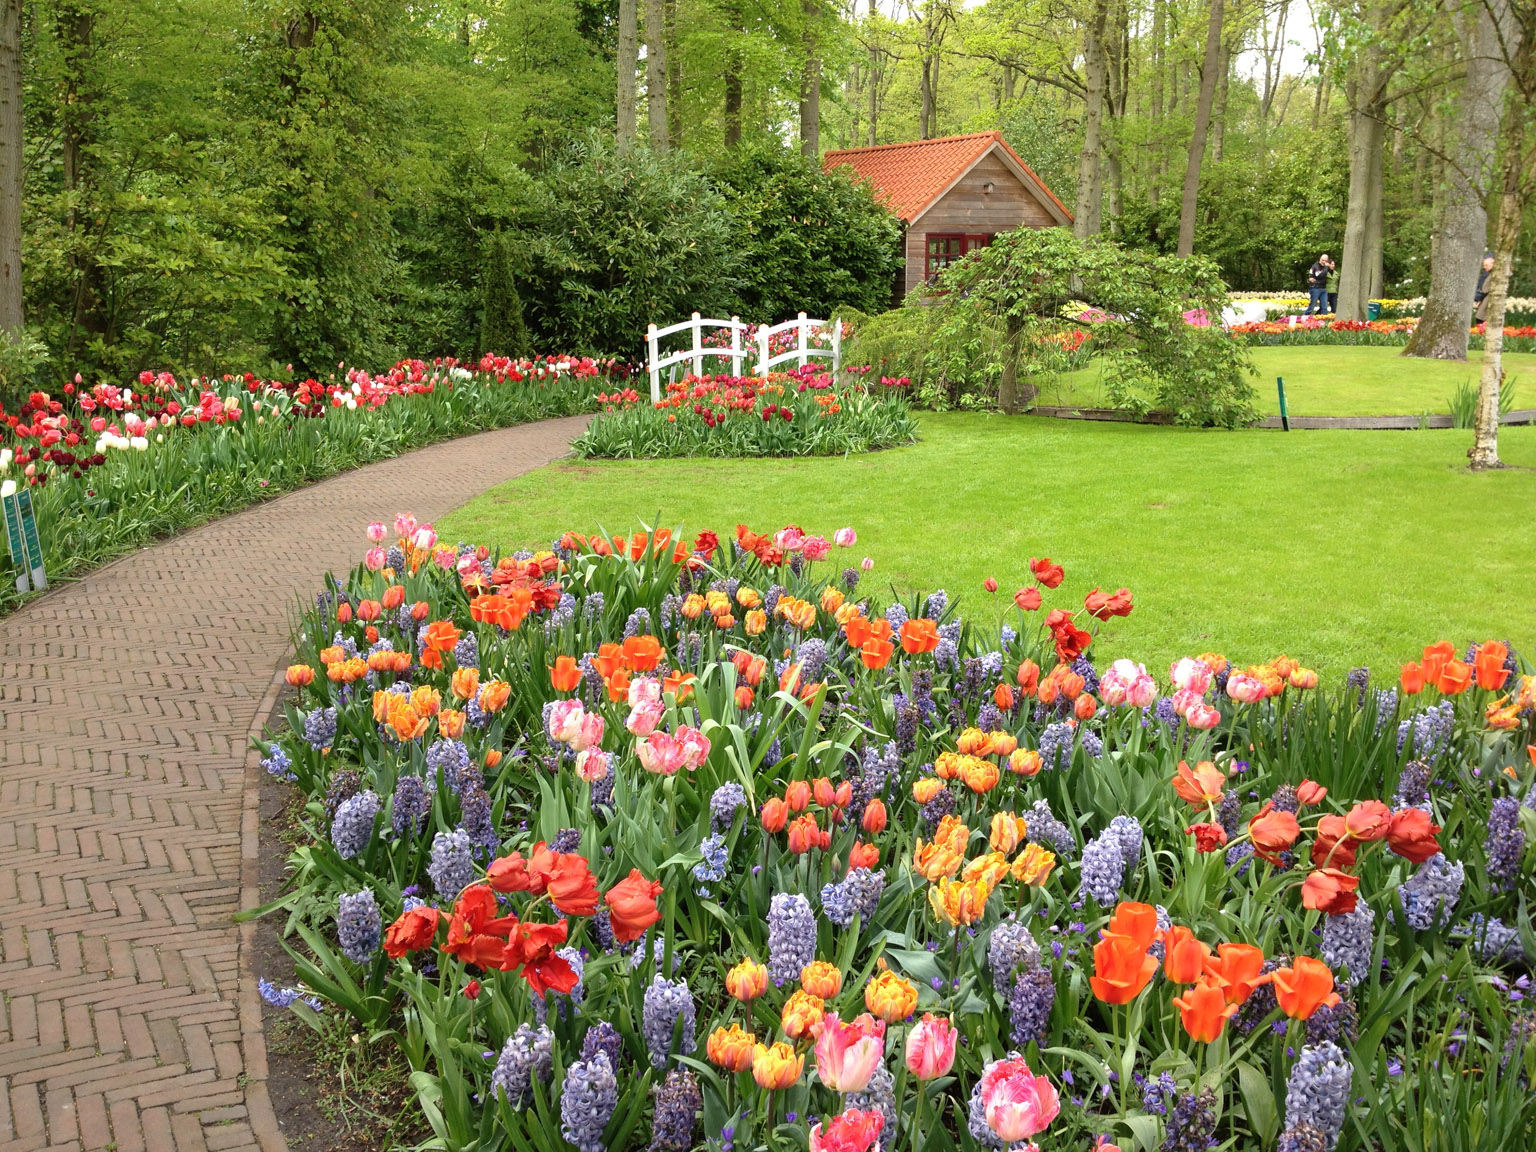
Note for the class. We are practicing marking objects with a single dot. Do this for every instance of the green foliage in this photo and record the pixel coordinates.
(626, 241)
(22, 356)
(1463, 402)
(1016, 288)
(502, 331)
(813, 241)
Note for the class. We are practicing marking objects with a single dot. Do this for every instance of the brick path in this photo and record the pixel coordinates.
(128, 830)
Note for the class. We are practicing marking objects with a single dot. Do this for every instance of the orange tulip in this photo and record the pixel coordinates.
(1084, 707)
(1201, 785)
(1024, 762)
(299, 675)
(802, 1012)
(980, 776)
(919, 635)
(797, 795)
(1455, 677)
(776, 1068)
(1331, 891)
(1412, 678)
(1184, 956)
(565, 675)
(775, 815)
(926, 789)
(747, 980)
(890, 997)
(863, 856)
(730, 1048)
(642, 653)
(1122, 968)
(876, 654)
(1136, 922)
(1204, 1010)
(1028, 677)
(1239, 969)
(465, 683)
(1273, 832)
(1489, 663)
(1002, 696)
(1304, 987)
(822, 979)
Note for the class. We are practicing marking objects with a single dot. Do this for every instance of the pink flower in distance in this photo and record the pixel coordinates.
(374, 559)
(1018, 1103)
(816, 547)
(853, 1131)
(848, 1054)
(931, 1047)
(845, 537)
(376, 532)
(405, 524)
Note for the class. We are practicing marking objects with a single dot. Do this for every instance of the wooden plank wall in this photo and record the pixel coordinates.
(966, 208)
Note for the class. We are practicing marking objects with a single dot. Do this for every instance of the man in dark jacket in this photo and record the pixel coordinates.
(1480, 297)
(1317, 285)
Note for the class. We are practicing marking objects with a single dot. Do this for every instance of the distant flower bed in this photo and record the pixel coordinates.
(1389, 333)
(800, 413)
(110, 467)
(644, 841)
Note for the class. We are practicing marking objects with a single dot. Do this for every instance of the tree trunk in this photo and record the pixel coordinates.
(627, 61)
(1203, 104)
(1090, 194)
(1375, 215)
(1219, 108)
(810, 82)
(75, 25)
(11, 138)
(874, 73)
(1457, 247)
(1159, 36)
(1010, 399)
(733, 68)
(674, 75)
(1365, 141)
(656, 74)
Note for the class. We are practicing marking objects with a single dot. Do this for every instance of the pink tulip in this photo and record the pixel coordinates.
(816, 547)
(1017, 1103)
(848, 1054)
(853, 1131)
(661, 754)
(467, 563)
(589, 733)
(1193, 675)
(1203, 717)
(405, 524)
(695, 747)
(1245, 689)
(374, 560)
(931, 1046)
(845, 537)
(444, 558)
(791, 539)
(565, 720)
(375, 532)
(424, 538)
(643, 691)
(867, 563)
(98, 423)
(642, 720)
(593, 764)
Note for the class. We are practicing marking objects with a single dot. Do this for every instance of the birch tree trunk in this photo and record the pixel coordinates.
(627, 61)
(1462, 230)
(1212, 63)
(11, 313)
(656, 74)
(1089, 216)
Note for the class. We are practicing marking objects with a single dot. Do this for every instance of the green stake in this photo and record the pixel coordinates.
(1285, 420)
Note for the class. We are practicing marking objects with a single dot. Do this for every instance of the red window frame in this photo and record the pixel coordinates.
(952, 246)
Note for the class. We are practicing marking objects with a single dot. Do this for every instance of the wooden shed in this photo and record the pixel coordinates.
(953, 194)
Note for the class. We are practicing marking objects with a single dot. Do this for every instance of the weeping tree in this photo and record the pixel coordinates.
(1017, 291)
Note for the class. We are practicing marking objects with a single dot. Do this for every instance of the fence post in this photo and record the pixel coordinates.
(735, 346)
(837, 345)
(801, 331)
(698, 347)
(762, 350)
(650, 340)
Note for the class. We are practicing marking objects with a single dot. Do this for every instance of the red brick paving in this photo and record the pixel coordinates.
(128, 820)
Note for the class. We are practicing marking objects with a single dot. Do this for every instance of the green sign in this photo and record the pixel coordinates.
(11, 507)
(29, 538)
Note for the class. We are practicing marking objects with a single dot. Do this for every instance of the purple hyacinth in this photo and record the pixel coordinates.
(1317, 1092)
(1042, 828)
(1157, 1094)
(352, 830)
(791, 937)
(1029, 1006)
(320, 728)
(1339, 1024)
(723, 805)
(476, 816)
(1056, 746)
(812, 655)
(358, 925)
(857, 894)
(528, 1052)
(1127, 830)
(1191, 1125)
(1413, 785)
(587, 1100)
(452, 867)
(1347, 941)
(896, 614)
(1010, 948)
(1430, 895)
(678, 1104)
(286, 997)
(1428, 732)
(603, 1037)
(342, 787)
(1103, 868)
(409, 807)
(1505, 844)
(278, 765)
(449, 760)
(1302, 1138)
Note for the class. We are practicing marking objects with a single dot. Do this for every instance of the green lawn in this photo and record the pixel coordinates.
(1333, 380)
(1336, 547)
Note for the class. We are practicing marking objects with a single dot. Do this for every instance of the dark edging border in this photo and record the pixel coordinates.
(1359, 423)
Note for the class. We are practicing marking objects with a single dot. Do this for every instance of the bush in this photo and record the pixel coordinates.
(799, 413)
(502, 331)
(811, 241)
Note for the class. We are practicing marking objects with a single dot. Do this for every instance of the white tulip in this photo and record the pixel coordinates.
(7, 488)
(139, 443)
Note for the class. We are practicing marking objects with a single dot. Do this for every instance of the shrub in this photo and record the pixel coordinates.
(502, 331)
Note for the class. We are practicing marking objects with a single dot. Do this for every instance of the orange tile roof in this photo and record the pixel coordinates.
(910, 176)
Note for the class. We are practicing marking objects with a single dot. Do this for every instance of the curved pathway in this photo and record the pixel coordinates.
(128, 820)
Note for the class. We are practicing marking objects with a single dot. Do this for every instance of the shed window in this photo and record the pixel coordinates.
(944, 248)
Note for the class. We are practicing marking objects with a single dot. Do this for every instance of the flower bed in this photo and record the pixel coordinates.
(1393, 333)
(647, 841)
(110, 468)
(800, 413)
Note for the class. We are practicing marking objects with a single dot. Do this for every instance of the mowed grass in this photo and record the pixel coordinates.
(1338, 548)
(1329, 380)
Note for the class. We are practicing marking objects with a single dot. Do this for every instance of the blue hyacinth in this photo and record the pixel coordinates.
(528, 1052)
(320, 728)
(409, 807)
(1347, 941)
(452, 866)
(1430, 895)
(667, 1002)
(587, 1101)
(278, 764)
(358, 926)
(1317, 1092)
(352, 829)
(857, 894)
(791, 937)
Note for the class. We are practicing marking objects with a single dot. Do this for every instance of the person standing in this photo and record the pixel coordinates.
(1317, 285)
(1480, 297)
(1333, 287)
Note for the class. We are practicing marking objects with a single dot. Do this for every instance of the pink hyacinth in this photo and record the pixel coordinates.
(1018, 1103)
(848, 1054)
(375, 532)
(845, 537)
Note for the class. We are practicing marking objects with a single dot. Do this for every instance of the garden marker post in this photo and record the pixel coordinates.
(29, 539)
(800, 341)
(10, 509)
(698, 348)
(652, 363)
(1285, 420)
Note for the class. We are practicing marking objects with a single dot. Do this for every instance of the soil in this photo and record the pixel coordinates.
(331, 1091)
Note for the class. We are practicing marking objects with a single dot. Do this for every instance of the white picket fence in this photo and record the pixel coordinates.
(801, 353)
